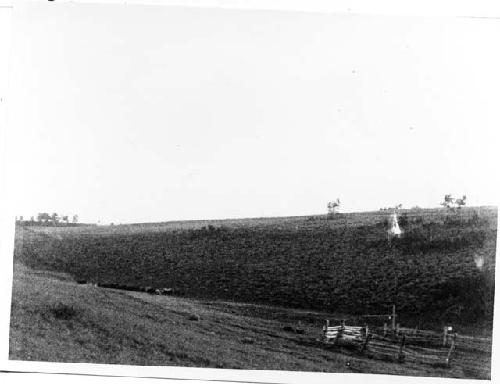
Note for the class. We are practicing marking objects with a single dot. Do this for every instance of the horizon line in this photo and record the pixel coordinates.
(380, 210)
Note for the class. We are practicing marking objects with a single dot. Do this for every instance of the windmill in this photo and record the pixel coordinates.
(394, 229)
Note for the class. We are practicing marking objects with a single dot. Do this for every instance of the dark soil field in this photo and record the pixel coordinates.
(293, 270)
(343, 265)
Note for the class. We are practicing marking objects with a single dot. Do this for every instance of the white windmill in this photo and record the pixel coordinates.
(394, 229)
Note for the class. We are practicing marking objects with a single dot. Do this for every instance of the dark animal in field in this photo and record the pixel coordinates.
(149, 290)
(108, 285)
(164, 291)
(288, 328)
(126, 287)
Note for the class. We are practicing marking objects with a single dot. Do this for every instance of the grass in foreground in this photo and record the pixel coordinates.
(55, 319)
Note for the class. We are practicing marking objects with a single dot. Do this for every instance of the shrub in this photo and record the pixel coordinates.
(403, 220)
(63, 312)
(385, 222)
(419, 220)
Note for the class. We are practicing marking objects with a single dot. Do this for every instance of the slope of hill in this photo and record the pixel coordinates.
(341, 265)
(56, 319)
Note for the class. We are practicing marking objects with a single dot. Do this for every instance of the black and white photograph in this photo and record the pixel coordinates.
(254, 190)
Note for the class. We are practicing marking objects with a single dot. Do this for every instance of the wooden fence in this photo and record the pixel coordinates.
(406, 344)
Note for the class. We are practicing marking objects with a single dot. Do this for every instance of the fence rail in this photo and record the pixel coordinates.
(407, 344)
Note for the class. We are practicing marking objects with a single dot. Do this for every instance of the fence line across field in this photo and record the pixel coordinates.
(403, 343)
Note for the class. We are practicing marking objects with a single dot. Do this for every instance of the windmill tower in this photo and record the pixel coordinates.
(394, 230)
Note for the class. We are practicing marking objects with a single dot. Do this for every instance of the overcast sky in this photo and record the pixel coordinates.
(146, 113)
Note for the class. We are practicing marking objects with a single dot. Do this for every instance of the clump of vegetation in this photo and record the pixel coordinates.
(454, 203)
(63, 311)
(464, 299)
(333, 208)
(49, 220)
(403, 219)
(422, 239)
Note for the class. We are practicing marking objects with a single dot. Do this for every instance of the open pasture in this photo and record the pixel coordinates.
(54, 319)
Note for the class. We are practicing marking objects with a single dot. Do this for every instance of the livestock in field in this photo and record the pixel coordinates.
(164, 291)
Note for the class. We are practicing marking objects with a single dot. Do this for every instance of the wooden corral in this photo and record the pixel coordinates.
(411, 345)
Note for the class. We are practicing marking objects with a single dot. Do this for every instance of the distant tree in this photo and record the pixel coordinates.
(65, 219)
(75, 219)
(43, 217)
(21, 218)
(448, 202)
(333, 207)
(452, 203)
(461, 202)
(32, 219)
(55, 218)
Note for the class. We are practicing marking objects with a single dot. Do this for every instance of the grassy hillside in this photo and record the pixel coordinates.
(55, 319)
(343, 265)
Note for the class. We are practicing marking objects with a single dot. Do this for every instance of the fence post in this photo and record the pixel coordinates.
(340, 332)
(365, 344)
(452, 348)
(325, 330)
(393, 318)
(401, 356)
(385, 329)
(445, 335)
